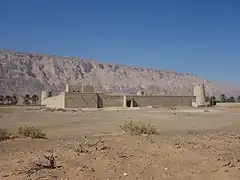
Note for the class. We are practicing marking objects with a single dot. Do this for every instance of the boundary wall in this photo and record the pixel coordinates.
(164, 101)
(81, 100)
(57, 101)
(228, 104)
(101, 100)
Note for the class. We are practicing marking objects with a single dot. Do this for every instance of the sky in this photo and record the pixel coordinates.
(201, 37)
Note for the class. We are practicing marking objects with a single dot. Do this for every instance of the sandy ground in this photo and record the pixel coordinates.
(192, 144)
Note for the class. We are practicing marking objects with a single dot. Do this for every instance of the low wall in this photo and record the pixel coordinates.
(81, 100)
(54, 101)
(228, 104)
(74, 88)
(109, 100)
(164, 101)
(88, 89)
(99, 100)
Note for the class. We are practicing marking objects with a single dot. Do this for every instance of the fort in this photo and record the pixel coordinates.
(84, 96)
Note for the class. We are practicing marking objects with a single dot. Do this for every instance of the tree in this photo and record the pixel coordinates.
(238, 98)
(223, 98)
(207, 99)
(14, 99)
(1, 99)
(8, 99)
(231, 99)
(26, 99)
(34, 98)
(212, 100)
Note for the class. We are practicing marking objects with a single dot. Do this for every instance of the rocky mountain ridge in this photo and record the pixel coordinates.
(22, 73)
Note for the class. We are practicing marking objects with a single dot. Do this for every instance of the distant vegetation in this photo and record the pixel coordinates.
(223, 98)
(8, 100)
(14, 100)
(30, 99)
(212, 100)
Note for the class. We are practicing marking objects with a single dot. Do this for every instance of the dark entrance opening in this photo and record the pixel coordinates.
(129, 103)
(213, 103)
(99, 102)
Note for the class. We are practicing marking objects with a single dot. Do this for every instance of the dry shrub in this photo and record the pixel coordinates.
(33, 109)
(61, 109)
(4, 135)
(74, 110)
(55, 109)
(48, 109)
(134, 128)
(48, 164)
(84, 145)
(31, 131)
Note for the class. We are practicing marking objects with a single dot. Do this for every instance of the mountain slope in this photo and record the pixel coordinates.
(30, 73)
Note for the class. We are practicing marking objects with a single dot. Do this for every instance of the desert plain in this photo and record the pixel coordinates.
(90, 145)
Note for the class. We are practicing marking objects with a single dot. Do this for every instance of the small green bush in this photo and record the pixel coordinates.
(134, 128)
(31, 131)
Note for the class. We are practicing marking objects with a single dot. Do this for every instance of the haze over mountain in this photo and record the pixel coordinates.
(22, 73)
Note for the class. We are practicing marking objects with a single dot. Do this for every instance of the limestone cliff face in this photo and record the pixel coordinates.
(29, 73)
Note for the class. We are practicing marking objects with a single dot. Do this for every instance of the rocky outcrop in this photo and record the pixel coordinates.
(22, 73)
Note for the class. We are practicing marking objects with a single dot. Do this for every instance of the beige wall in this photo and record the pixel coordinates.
(81, 100)
(79, 88)
(109, 100)
(88, 89)
(74, 88)
(98, 100)
(165, 101)
(54, 101)
(228, 104)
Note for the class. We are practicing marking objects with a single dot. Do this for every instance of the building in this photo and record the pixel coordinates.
(200, 94)
(84, 96)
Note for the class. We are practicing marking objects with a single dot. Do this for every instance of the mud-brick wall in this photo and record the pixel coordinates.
(55, 101)
(81, 100)
(165, 101)
(74, 88)
(110, 100)
(88, 88)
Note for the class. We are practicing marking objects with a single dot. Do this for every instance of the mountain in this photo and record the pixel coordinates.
(22, 73)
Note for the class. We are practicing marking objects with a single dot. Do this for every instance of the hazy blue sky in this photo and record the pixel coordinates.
(196, 36)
